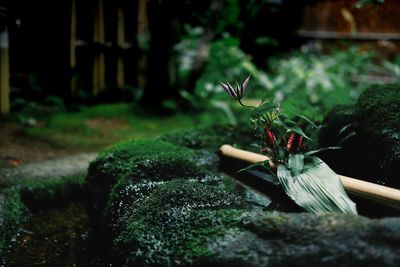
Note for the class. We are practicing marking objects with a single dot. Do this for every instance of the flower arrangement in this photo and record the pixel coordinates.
(306, 179)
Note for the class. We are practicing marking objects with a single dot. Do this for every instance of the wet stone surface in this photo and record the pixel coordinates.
(52, 237)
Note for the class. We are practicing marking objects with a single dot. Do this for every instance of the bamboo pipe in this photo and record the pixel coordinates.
(378, 193)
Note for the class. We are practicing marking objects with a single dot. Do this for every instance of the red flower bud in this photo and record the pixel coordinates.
(300, 144)
(269, 141)
(270, 137)
(295, 143)
(289, 144)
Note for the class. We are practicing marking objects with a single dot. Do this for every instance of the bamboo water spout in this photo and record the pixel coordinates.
(378, 193)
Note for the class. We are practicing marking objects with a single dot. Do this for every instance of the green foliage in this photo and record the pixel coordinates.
(55, 102)
(227, 62)
(313, 83)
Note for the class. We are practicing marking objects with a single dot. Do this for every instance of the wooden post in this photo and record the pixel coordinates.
(72, 47)
(4, 73)
(121, 45)
(142, 31)
(99, 58)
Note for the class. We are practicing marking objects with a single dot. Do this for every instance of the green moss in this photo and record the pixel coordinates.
(377, 109)
(49, 191)
(290, 239)
(373, 151)
(119, 160)
(98, 126)
(380, 102)
(12, 213)
(146, 176)
(379, 131)
(213, 137)
(174, 224)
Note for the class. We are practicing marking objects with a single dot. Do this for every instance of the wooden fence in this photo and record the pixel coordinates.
(97, 44)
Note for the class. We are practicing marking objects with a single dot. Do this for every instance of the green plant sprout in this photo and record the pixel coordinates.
(306, 179)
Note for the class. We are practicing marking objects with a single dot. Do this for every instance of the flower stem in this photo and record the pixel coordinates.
(243, 105)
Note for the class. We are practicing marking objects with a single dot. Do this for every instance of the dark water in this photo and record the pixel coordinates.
(55, 236)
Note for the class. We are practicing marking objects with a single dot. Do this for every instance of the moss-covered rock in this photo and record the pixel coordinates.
(166, 207)
(207, 140)
(212, 138)
(277, 239)
(172, 226)
(147, 175)
(119, 160)
(188, 223)
(373, 151)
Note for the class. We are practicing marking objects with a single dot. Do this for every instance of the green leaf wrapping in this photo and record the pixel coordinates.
(296, 164)
(317, 188)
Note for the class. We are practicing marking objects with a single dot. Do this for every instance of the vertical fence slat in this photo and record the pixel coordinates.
(99, 58)
(142, 31)
(72, 55)
(121, 44)
(4, 73)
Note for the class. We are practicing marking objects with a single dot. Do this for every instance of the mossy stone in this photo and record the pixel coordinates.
(213, 137)
(169, 210)
(146, 176)
(118, 161)
(173, 225)
(289, 239)
(207, 140)
(373, 151)
(378, 112)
